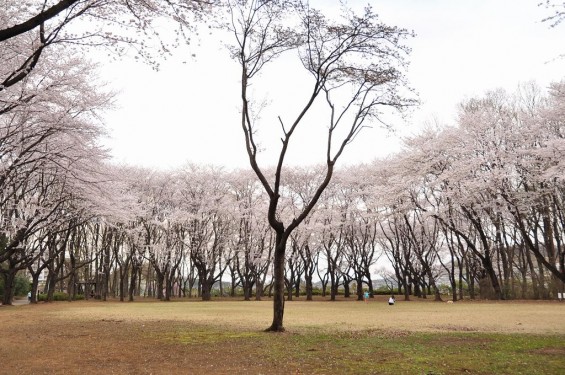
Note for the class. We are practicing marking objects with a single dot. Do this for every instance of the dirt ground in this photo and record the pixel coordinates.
(92, 337)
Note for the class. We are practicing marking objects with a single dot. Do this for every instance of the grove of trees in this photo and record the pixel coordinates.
(477, 206)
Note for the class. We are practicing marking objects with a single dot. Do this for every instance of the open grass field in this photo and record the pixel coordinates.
(322, 337)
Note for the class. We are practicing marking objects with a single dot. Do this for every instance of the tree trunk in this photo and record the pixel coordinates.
(523, 273)
(406, 287)
(359, 288)
(132, 283)
(221, 287)
(333, 281)
(206, 289)
(288, 285)
(160, 283)
(9, 278)
(278, 285)
(51, 284)
(297, 286)
(324, 282)
(346, 288)
(258, 290)
(487, 264)
(541, 280)
(308, 280)
(247, 288)
(471, 278)
(34, 287)
(168, 286)
(369, 282)
(123, 281)
(245, 285)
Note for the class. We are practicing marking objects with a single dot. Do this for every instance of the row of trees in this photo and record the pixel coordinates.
(355, 67)
(478, 206)
(52, 168)
(491, 190)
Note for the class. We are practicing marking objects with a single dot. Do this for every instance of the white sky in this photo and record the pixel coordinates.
(188, 111)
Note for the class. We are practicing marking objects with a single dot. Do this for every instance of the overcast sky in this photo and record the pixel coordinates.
(188, 111)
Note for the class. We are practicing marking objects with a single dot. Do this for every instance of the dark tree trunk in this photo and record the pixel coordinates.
(369, 282)
(359, 288)
(417, 292)
(278, 284)
(406, 289)
(258, 290)
(168, 285)
(9, 276)
(487, 263)
(34, 287)
(471, 277)
(160, 278)
(206, 294)
(460, 277)
(324, 282)
(206, 288)
(297, 287)
(247, 287)
(106, 273)
(132, 283)
(51, 284)
(346, 290)
(309, 287)
(123, 282)
(334, 289)
(288, 285)
(333, 281)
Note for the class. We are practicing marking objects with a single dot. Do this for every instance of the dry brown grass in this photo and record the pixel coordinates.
(224, 336)
(417, 316)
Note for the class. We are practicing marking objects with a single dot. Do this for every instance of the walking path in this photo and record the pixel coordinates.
(19, 301)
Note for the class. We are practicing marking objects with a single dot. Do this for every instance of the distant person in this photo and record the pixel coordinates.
(366, 296)
(29, 296)
(391, 300)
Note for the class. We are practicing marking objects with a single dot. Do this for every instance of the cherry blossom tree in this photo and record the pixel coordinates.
(28, 29)
(207, 202)
(252, 256)
(493, 183)
(50, 160)
(331, 217)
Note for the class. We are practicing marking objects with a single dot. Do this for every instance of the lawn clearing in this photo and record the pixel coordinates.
(225, 337)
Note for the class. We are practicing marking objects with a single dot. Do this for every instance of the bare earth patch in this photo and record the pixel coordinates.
(226, 337)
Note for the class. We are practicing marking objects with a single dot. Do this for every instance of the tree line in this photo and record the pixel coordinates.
(477, 206)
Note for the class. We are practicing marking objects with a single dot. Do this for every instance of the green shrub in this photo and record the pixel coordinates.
(58, 296)
(384, 291)
(21, 285)
(317, 291)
